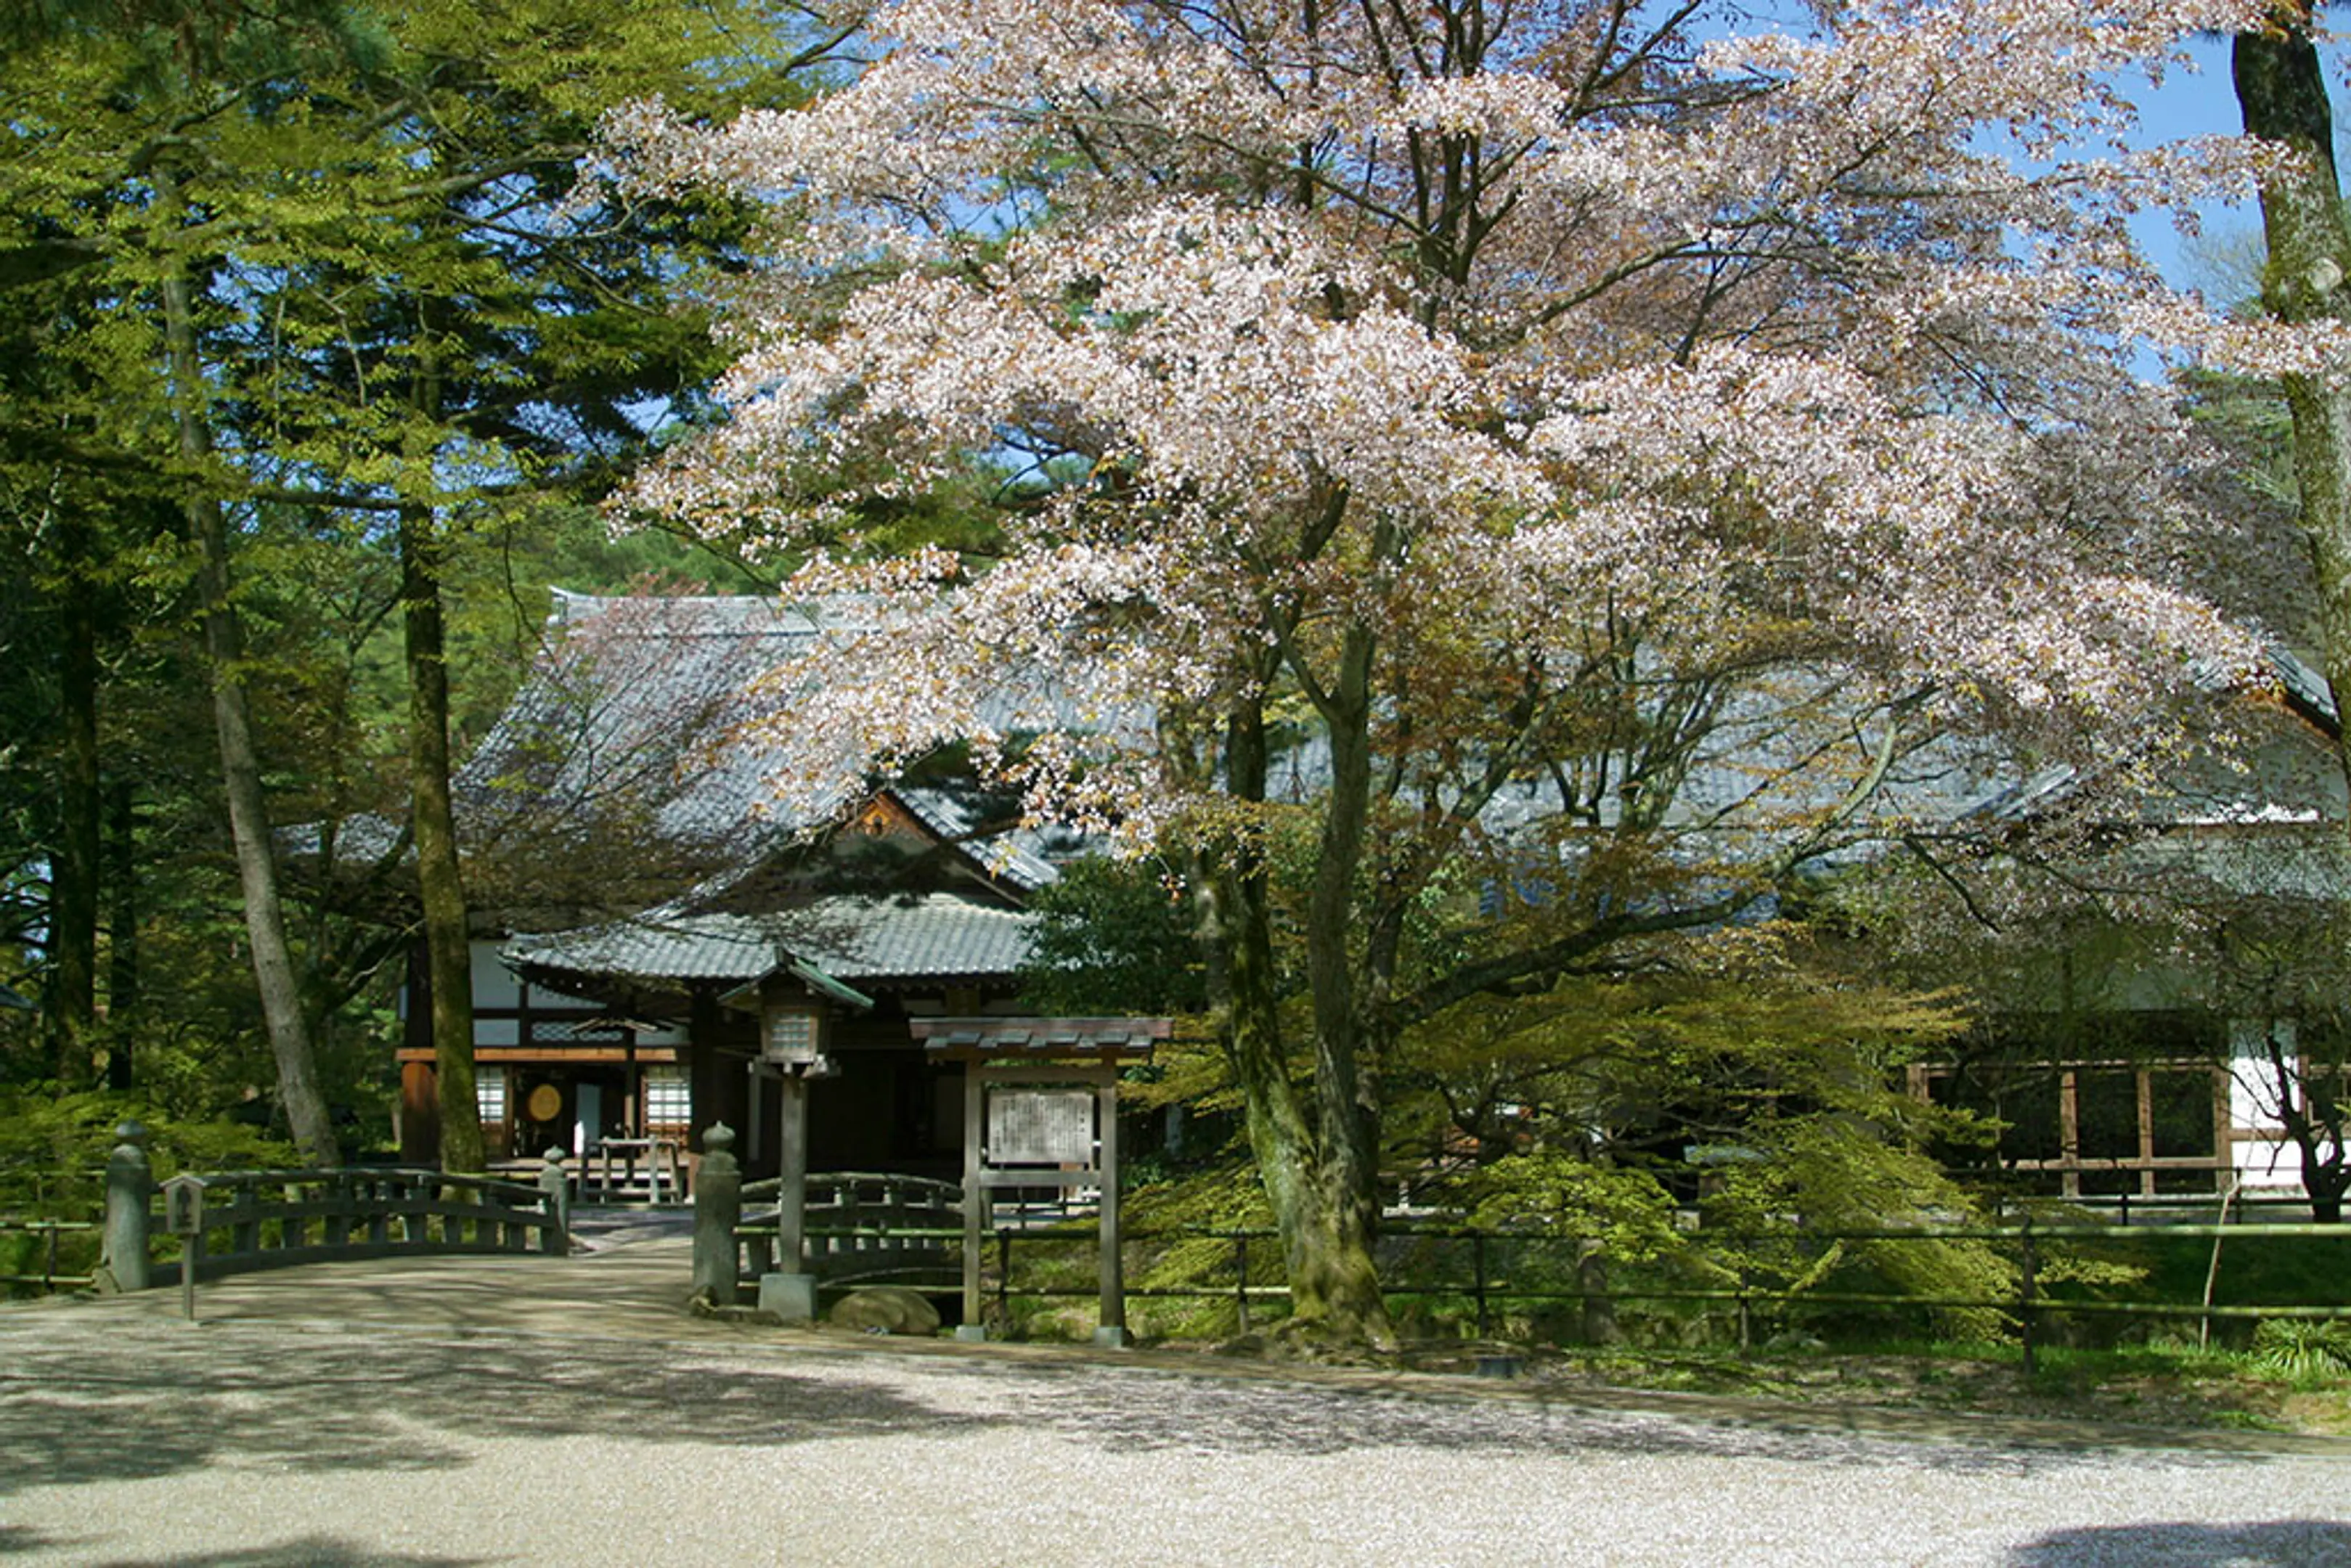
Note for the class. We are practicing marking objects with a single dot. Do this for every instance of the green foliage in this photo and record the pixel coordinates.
(1826, 1173)
(404, 294)
(1225, 1198)
(1629, 1212)
(54, 1147)
(1114, 937)
(2303, 1351)
(1713, 1040)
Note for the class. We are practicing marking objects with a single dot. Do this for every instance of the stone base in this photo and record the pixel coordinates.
(1111, 1338)
(972, 1333)
(791, 1297)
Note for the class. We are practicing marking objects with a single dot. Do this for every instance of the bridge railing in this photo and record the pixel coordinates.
(267, 1219)
(231, 1222)
(859, 1226)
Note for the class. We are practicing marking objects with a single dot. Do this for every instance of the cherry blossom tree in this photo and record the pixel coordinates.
(1546, 474)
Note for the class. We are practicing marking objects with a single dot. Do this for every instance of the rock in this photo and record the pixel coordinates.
(885, 1309)
(701, 1305)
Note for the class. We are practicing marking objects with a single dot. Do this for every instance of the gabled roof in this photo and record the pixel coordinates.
(637, 711)
(635, 738)
(863, 941)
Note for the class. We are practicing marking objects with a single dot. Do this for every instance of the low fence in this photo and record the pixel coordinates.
(1483, 1274)
(46, 1237)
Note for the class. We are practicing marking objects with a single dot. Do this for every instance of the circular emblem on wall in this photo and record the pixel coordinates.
(546, 1103)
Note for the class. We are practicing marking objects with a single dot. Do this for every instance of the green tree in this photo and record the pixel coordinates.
(385, 315)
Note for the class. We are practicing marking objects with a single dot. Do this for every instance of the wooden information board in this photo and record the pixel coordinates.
(1030, 1126)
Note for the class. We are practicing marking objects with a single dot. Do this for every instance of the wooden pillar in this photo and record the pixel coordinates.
(717, 1081)
(2069, 1134)
(1112, 1328)
(420, 1115)
(791, 1172)
(2224, 1128)
(2145, 1132)
(975, 1198)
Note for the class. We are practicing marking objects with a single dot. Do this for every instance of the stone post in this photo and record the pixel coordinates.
(130, 1190)
(718, 1208)
(555, 1193)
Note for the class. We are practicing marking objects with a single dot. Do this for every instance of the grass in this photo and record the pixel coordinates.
(2091, 1368)
(2163, 1383)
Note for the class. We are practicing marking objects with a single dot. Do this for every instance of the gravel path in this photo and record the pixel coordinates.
(265, 1440)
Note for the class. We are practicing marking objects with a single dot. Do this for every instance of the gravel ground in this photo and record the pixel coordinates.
(268, 1441)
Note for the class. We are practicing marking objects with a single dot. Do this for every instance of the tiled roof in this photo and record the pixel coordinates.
(1015, 1039)
(633, 731)
(1014, 856)
(636, 712)
(854, 939)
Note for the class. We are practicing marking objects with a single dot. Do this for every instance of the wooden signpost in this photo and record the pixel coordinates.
(1040, 1110)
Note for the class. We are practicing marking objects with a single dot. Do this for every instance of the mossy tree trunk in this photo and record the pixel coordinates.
(2282, 90)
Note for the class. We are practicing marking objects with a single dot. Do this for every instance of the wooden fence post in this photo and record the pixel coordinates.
(1477, 1276)
(2025, 1292)
(1004, 1277)
(1598, 1318)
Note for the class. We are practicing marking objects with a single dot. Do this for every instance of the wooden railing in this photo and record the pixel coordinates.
(46, 1234)
(860, 1226)
(262, 1220)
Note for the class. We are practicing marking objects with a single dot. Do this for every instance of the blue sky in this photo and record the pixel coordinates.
(2203, 103)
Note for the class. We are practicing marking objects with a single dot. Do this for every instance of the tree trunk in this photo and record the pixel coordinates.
(2282, 90)
(2313, 1121)
(2282, 94)
(447, 934)
(1325, 1213)
(121, 933)
(69, 991)
(1347, 1109)
(249, 815)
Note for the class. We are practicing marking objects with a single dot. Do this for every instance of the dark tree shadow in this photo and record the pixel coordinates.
(16, 1541)
(310, 1552)
(114, 1400)
(142, 1401)
(2276, 1543)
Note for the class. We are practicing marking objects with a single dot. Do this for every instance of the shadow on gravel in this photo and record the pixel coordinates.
(16, 1541)
(147, 1401)
(125, 1401)
(1140, 1411)
(310, 1552)
(2281, 1543)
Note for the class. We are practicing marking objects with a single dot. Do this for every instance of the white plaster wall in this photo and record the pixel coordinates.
(2264, 1163)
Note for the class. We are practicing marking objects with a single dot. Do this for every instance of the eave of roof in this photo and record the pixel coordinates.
(1015, 1039)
